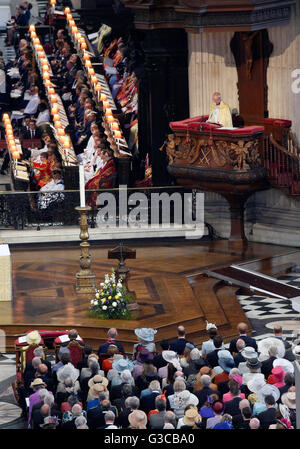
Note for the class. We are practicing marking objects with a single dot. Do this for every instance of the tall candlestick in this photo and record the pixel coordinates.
(81, 185)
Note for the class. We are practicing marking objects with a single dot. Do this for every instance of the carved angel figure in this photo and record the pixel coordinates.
(241, 152)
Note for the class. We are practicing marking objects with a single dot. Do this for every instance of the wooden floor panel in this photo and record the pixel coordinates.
(164, 276)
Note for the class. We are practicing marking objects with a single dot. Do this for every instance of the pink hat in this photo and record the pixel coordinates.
(278, 373)
(238, 379)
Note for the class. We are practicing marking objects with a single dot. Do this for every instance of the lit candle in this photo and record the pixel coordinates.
(110, 119)
(103, 97)
(108, 112)
(115, 126)
(72, 22)
(67, 10)
(51, 91)
(94, 80)
(85, 56)
(60, 131)
(31, 28)
(106, 104)
(83, 46)
(33, 34)
(81, 185)
(91, 71)
(88, 64)
(56, 118)
(69, 16)
(54, 109)
(118, 134)
(74, 29)
(58, 126)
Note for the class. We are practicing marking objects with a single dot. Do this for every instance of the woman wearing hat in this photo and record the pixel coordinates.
(289, 400)
(191, 418)
(149, 373)
(146, 337)
(206, 410)
(208, 345)
(217, 408)
(97, 385)
(137, 419)
(234, 385)
(143, 356)
(209, 372)
(277, 376)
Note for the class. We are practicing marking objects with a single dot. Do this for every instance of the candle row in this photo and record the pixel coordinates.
(46, 74)
(80, 43)
(10, 139)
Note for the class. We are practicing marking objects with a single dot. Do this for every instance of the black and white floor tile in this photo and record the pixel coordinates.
(263, 311)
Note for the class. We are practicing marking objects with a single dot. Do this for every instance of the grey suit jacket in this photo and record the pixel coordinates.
(157, 421)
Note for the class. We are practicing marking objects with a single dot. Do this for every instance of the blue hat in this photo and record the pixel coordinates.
(145, 333)
(226, 364)
(122, 364)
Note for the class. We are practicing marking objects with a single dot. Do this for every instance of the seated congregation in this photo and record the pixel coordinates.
(166, 385)
(32, 113)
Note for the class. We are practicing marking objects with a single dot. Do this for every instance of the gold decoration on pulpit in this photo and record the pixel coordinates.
(170, 146)
(244, 153)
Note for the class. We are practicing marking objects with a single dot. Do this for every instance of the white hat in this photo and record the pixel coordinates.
(195, 354)
(285, 364)
(256, 383)
(210, 326)
(33, 338)
(296, 351)
(171, 357)
(65, 371)
(185, 398)
(266, 390)
(224, 354)
(249, 353)
(145, 333)
(264, 345)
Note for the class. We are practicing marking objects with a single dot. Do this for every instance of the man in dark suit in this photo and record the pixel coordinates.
(268, 416)
(267, 365)
(289, 355)
(205, 391)
(212, 357)
(157, 420)
(32, 132)
(131, 403)
(246, 414)
(242, 329)
(232, 407)
(112, 335)
(178, 345)
(148, 400)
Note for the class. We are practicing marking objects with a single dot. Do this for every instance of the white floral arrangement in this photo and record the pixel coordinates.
(111, 299)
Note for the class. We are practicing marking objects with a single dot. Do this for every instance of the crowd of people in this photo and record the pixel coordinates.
(31, 109)
(168, 385)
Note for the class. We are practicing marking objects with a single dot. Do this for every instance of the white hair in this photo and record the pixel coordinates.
(49, 399)
(109, 416)
(76, 410)
(42, 393)
(254, 423)
(154, 385)
(80, 421)
(205, 380)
